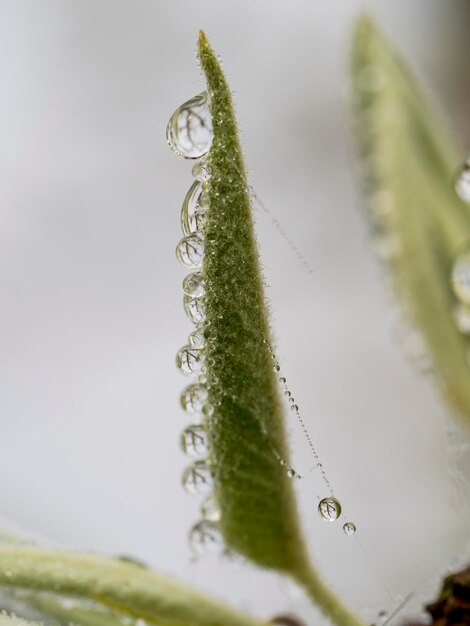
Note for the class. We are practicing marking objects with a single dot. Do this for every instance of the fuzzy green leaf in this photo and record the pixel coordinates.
(121, 586)
(247, 440)
(419, 222)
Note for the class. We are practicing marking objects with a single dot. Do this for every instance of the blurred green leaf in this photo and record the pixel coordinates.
(419, 224)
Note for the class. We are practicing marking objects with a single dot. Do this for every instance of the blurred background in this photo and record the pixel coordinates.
(91, 299)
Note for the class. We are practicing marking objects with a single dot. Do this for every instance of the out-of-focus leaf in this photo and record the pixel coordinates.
(419, 224)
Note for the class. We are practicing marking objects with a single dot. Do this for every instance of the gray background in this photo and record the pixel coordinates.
(90, 289)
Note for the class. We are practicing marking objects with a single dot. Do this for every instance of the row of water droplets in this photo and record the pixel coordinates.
(460, 278)
(329, 508)
(189, 134)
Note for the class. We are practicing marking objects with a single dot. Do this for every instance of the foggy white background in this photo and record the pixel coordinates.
(91, 300)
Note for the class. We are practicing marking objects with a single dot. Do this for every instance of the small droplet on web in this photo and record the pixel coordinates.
(291, 473)
(193, 211)
(193, 440)
(287, 393)
(462, 182)
(197, 478)
(194, 309)
(193, 285)
(210, 510)
(190, 360)
(294, 407)
(461, 317)
(461, 277)
(189, 131)
(205, 537)
(201, 171)
(349, 528)
(190, 251)
(282, 380)
(329, 509)
(276, 367)
(193, 398)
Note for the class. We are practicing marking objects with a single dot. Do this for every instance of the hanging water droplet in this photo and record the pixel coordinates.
(282, 380)
(193, 398)
(462, 182)
(287, 393)
(190, 251)
(197, 478)
(461, 277)
(194, 440)
(189, 131)
(193, 209)
(349, 528)
(201, 171)
(205, 537)
(291, 473)
(294, 408)
(277, 367)
(194, 309)
(190, 360)
(196, 339)
(329, 509)
(210, 509)
(461, 317)
(193, 285)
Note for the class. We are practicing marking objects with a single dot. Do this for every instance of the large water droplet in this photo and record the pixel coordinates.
(210, 509)
(329, 509)
(204, 537)
(193, 209)
(194, 440)
(190, 360)
(462, 182)
(349, 528)
(194, 308)
(461, 277)
(201, 171)
(193, 285)
(190, 251)
(461, 316)
(189, 131)
(193, 398)
(197, 478)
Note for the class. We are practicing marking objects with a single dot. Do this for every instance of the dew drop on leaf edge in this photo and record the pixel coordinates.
(197, 478)
(189, 130)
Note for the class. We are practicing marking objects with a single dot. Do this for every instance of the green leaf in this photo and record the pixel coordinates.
(246, 432)
(418, 221)
(11, 620)
(118, 585)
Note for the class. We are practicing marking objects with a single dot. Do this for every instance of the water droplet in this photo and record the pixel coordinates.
(190, 360)
(208, 409)
(461, 316)
(197, 478)
(462, 182)
(349, 528)
(190, 251)
(287, 393)
(189, 131)
(194, 440)
(291, 472)
(204, 537)
(210, 509)
(282, 380)
(201, 171)
(277, 367)
(386, 246)
(193, 285)
(193, 209)
(193, 398)
(196, 339)
(329, 509)
(194, 309)
(294, 407)
(461, 277)
(383, 613)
